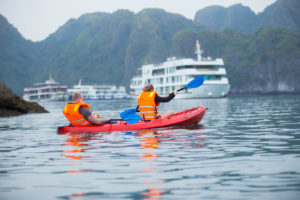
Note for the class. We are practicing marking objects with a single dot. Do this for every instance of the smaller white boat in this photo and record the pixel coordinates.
(47, 91)
(99, 92)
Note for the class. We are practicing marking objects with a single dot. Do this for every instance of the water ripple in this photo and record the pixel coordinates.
(244, 148)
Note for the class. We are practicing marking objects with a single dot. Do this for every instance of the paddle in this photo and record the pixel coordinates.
(130, 119)
(196, 82)
(128, 112)
(129, 116)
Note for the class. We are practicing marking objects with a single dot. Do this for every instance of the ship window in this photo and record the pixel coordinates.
(212, 77)
(160, 90)
(32, 92)
(159, 81)
(158, 72)
(172, 69)
(45, 90)
(185, 67)
(167, 89)
(205, 67)
(176, 79)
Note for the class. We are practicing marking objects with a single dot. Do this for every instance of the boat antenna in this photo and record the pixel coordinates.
(79, 82)
(198, 51)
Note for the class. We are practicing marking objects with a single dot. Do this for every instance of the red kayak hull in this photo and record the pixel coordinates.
(183, 118)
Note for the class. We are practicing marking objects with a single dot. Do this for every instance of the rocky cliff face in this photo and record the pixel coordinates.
(268, 77)
(12, 105)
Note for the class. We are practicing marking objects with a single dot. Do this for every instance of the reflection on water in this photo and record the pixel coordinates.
(244, 148)
(149, 140)
(77, 142)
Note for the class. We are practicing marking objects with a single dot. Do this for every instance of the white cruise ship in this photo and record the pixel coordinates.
(47, 91)
(175, 73)
(99, 92)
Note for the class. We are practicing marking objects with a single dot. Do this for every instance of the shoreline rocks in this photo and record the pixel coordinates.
(13, 105)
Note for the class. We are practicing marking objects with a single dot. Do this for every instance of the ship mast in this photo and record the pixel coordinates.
(50, 77)
(198, 51)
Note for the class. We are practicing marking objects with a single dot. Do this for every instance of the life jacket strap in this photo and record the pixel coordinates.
(148, 107)
(80, 124)
(154, 117)
(77, 120)
(148, 112)
(84, 123)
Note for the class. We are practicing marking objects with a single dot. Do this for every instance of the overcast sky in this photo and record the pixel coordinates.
(36, 19)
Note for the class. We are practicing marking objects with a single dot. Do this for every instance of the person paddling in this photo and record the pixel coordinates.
(79, 113)
(149, 101)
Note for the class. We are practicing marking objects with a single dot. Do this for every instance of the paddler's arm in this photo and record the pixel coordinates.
(165, 99)
(96, 120)
(90, 117)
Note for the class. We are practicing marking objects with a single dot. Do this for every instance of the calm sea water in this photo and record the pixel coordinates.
(244, 148)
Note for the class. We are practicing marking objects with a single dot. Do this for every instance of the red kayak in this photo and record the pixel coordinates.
(183, 118)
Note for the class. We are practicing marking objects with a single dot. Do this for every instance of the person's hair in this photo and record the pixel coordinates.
(76, 96)
(148, 88)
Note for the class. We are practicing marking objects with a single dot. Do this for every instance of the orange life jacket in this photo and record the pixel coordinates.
(71, 112)
(147, 106)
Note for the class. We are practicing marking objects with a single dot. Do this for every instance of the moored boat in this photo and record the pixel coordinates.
(99, 92)
(50, 90)
(183, 118)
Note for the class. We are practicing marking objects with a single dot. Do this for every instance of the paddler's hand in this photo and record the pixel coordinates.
(175, 92)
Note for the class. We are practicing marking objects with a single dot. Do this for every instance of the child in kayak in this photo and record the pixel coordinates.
(148, 102)
(79, 113)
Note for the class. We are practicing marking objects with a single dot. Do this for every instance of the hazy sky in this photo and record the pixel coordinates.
(36, 19)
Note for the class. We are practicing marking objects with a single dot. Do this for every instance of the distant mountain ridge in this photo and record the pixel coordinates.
(104, 48)
(236, 17)
(283, 13)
